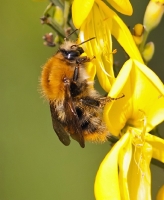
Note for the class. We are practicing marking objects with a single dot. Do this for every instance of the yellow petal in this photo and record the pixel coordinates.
(91, 70)
(106, 183)
(144, 97)
(151, 101)
(100, 47)
(122, 6)
(160, 195)
(124, 160)
(80, 11)
(121, 32)
(120, 109)
(158, 146)
(98, 65)
(139, 176)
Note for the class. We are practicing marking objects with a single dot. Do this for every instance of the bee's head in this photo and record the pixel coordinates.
(72, 52)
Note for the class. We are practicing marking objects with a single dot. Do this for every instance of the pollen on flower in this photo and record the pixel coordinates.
(114, 51)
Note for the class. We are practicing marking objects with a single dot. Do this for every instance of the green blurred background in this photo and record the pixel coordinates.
(34, 165)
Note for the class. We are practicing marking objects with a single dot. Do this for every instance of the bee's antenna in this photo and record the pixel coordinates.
(87, 40)
(70, 34)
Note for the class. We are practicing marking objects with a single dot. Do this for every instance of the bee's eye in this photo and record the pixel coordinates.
(69, 54)
(64, 52)
(80, 49)
(73, 54)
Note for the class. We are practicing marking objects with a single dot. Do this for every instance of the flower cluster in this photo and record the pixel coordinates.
(140, 111)
(135, 115)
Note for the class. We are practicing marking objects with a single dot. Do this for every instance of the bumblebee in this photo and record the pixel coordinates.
(75, 106)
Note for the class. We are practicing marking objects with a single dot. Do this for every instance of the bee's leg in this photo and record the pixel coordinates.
(98, 102)
(83, 59)
(89, 101)
(104, 100)
(79, 61)
(112, 139)
(73, 84)
(76, 73)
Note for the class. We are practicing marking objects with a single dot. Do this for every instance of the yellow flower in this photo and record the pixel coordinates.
(124, 174)
(82, 8)
(96, 19)
(134, 116)
(144, 95)
(131, 117)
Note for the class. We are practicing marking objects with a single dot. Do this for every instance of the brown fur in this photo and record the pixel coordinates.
(52, 82)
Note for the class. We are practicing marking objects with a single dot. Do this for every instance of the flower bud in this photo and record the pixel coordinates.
(153, 14)
(49, 40)
(148, 51)
(138, 31)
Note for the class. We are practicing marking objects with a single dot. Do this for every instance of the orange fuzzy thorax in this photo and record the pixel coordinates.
(52, 78)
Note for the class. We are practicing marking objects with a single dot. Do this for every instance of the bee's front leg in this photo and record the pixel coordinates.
(83, 59)
(76, 74)
(79, 61)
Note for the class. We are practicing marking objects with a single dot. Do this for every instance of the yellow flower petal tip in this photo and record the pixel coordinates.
(160, 195)
(80, 11)
(123, 6)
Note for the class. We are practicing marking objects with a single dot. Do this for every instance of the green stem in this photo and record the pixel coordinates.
(48, 20)
(142, 45)
(57, 3)
(67, 5)
(56, 27)
(48, 8)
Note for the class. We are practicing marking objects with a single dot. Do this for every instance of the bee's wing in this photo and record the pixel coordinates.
(58, 127)
(73, 124)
